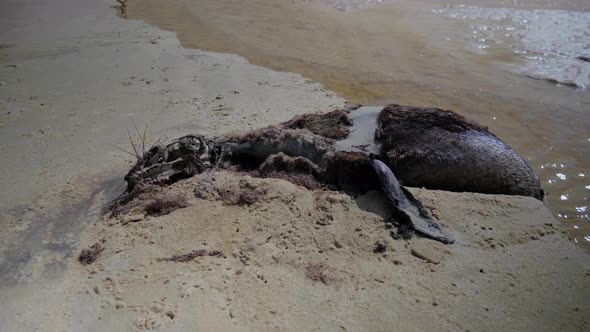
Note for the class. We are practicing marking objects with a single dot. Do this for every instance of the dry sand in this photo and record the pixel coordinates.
(75, 76)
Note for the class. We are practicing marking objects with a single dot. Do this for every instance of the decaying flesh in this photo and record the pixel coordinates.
(182, 158)
(355, 150)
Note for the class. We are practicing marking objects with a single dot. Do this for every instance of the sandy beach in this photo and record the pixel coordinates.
(75, 79)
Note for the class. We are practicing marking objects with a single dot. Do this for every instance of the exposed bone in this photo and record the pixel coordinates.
(182, 158)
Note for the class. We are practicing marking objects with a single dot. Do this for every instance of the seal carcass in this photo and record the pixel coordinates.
(359, 149)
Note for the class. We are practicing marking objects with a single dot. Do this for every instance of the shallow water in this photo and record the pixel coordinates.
(498, 63)
(551, 42)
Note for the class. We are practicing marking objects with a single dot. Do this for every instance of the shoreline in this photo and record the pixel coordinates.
(59, 133)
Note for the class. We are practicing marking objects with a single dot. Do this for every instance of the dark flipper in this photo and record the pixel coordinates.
(406, 206)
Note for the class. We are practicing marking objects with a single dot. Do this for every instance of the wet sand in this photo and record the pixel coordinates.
(403, 52)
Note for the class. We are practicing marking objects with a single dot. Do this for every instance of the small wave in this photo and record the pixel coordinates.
(553, 43)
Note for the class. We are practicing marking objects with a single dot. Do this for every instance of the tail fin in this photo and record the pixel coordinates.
(406, 205)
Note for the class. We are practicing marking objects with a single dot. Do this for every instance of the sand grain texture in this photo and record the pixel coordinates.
(304, 260)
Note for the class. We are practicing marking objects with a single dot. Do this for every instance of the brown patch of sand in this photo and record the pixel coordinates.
(90, 254)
